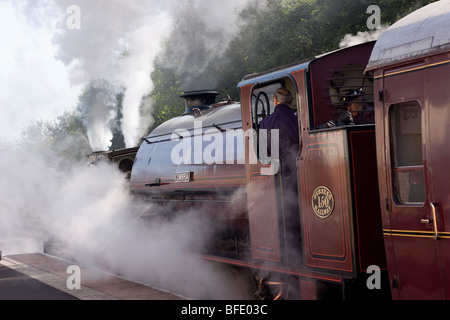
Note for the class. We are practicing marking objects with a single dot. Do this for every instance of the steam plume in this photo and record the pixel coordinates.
(89, 210)
(117, 42)
(361, 37)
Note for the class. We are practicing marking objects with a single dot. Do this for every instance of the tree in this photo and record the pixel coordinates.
(64, 137)
(118, 139)
(392, 11)
(165, 95)
(274, 33)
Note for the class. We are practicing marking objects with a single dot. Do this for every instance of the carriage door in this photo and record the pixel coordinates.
(413, 225)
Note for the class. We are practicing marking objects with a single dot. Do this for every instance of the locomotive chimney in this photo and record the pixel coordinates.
(199, 100)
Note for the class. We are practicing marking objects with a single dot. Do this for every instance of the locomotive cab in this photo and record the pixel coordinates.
(330, 228)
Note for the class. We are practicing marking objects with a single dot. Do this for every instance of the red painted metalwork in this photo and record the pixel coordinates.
(367, 195)
(412, 133)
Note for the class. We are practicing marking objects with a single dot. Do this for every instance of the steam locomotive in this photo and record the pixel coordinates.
(369, 216)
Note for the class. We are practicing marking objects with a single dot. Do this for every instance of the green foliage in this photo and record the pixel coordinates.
(273, 33)
(118, 140)
(165, 95)
(286, 31)
(391, 11)
(280, 32)
(64, 137)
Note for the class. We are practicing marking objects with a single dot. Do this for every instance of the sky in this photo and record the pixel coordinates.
(34, 84)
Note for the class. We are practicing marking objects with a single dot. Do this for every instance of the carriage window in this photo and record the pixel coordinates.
(406, 149)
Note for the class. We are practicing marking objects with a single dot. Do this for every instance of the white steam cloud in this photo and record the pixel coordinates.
(90, 212)
(90, 209)
(115, 41)
(362, 37)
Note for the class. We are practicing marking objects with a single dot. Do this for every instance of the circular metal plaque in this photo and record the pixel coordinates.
(323, 202)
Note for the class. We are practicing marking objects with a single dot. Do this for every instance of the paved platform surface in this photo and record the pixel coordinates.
(39, 276)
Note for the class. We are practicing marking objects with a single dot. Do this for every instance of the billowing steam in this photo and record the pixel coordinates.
(97, 105)
(200, 38)
(88, 210)
(45, 196)
(116, 42)
(362, 37)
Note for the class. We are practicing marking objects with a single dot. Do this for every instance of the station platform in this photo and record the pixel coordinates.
(39, 276)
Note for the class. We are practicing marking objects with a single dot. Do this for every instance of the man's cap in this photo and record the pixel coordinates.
(351, 95)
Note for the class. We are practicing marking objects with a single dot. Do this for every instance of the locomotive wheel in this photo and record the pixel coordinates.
(276, 289)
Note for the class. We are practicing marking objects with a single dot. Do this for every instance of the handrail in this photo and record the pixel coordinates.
(433, 212)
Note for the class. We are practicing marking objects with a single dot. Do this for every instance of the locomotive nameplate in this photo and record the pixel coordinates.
(323, 202)
(182, 176)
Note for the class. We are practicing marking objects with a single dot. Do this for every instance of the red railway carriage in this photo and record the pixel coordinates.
(411, 64)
